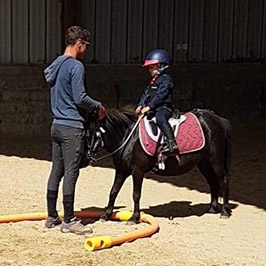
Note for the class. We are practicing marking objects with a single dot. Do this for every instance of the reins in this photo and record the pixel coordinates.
(125, 142)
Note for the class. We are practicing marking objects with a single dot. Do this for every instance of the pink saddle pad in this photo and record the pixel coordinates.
(190, 136)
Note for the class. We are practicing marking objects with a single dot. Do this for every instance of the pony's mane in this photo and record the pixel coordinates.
(121, 119)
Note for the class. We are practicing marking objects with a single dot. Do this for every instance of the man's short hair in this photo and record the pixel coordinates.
(75, 33)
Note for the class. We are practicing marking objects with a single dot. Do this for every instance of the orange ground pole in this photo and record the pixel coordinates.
(99, 242)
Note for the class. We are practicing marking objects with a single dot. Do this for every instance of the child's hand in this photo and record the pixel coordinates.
(138, 110)
(145, 109)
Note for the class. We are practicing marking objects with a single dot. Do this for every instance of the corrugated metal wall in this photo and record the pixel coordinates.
(124, 31)
(30, 31)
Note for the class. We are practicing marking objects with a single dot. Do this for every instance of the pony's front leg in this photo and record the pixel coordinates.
(138, 176)
(118, 183)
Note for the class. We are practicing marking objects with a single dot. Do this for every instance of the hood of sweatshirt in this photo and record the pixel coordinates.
(51, 72)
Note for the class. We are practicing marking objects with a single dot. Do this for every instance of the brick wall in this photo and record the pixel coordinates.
(236, 91)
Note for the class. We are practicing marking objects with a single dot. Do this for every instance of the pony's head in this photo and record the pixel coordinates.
(92, 137)
(110, 131)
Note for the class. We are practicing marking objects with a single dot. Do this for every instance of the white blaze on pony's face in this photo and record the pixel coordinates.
(96, 133)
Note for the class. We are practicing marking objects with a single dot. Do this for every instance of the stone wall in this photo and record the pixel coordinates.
(236, 91)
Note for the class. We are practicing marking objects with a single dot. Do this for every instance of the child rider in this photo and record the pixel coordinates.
(157, 98)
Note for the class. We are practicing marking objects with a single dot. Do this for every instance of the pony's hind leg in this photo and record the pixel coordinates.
(213, 181)
(118, 183)
(224, 185)
(221, 172)
(219, 185)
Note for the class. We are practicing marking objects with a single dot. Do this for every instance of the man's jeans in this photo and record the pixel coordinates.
(67, 153)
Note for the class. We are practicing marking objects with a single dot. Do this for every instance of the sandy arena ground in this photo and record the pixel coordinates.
(191, 237)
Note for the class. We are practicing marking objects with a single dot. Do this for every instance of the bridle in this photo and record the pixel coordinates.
(99, 142)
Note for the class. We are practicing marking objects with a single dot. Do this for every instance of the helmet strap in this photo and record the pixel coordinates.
(162, 69)
(159, 73)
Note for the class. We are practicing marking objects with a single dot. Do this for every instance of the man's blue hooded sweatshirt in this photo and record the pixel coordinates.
(69, 101)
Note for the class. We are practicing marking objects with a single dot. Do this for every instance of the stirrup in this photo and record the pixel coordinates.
(170, 152)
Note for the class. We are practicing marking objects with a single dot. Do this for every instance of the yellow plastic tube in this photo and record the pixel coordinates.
(99, 242)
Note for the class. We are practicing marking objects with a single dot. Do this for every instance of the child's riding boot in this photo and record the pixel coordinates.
(171, 148)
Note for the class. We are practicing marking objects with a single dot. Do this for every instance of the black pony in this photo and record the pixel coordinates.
(212, 160)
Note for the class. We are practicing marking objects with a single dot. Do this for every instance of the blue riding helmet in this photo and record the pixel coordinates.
(157, 57)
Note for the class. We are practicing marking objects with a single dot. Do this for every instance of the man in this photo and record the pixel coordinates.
(69, 103)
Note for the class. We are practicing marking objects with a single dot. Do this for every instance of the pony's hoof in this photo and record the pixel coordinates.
(212, 210)
(224, 216)
(132, 222)
(103, 219)
(225, 213)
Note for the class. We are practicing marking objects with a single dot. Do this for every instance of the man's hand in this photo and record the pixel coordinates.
(145, 109)
(101, 113)
(138, 110)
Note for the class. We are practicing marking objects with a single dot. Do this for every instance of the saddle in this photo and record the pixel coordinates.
(187, 130)
(153, 130)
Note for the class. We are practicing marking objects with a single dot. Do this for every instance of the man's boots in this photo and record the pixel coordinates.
(171, 148)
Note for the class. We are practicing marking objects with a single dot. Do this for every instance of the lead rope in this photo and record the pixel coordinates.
(125, 142)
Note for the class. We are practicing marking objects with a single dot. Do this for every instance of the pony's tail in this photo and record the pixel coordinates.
(227, 152)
